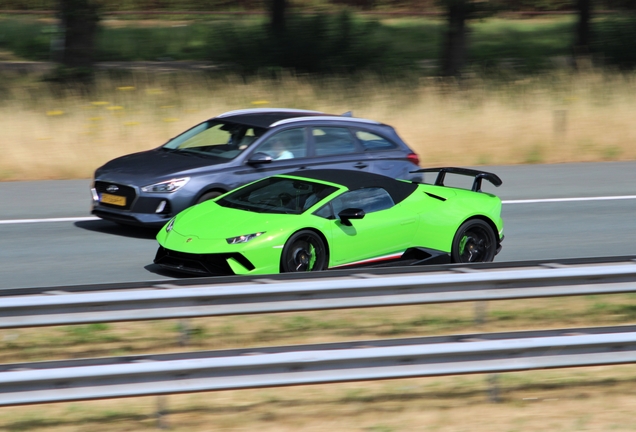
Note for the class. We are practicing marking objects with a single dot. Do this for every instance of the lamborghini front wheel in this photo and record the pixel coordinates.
(304, 251)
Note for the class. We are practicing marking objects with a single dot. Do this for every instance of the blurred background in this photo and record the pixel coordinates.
(464, 82)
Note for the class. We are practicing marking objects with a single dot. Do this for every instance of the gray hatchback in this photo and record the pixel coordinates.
(236, 148)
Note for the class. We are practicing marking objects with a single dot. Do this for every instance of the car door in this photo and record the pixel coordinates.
(385, 156)
(384, 229)
(287, 151)
(337, 148)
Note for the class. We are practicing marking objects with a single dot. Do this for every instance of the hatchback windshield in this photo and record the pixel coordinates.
(277, 195)
(215, 138)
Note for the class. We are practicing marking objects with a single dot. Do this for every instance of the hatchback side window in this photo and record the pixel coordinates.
(368, 199)
(333, 141)
(287, 144)
(372, 142)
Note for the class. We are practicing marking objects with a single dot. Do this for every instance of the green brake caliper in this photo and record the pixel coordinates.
(312, 257)
(462, 244)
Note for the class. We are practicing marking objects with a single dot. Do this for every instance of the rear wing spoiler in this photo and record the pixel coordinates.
(479, 176)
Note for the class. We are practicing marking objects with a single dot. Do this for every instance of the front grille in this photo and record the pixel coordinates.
(213, 264)
(122, 190)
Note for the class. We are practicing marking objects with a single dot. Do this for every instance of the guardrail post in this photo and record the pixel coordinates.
(480, 312)
(184, 332)
(493, 388)
(161, 413)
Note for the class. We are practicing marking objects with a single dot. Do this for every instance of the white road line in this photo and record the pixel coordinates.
(66, 219)
(556, 200)
(526, 201)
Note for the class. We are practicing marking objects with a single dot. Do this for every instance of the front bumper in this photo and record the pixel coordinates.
(215, 264)
(129, 218)
(134, 208)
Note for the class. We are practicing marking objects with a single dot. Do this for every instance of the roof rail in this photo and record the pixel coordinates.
(264, 111)
(325, 117)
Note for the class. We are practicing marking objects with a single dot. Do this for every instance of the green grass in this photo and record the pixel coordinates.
(526, 43)
(26, 38)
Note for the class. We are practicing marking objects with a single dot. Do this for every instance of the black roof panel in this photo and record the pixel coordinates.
(353, 180)
(265, 119)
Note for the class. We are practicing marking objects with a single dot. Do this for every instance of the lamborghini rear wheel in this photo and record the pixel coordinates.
(474, 242)
(304, 251)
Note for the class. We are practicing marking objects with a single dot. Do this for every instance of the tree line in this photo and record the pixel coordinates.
(80, 20)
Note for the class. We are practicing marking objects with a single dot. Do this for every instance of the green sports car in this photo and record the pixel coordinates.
(327, 219)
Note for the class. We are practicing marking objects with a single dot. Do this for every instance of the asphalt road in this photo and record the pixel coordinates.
(74, 252)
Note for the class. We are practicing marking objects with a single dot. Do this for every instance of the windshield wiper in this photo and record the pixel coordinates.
(178, 151)
(198, 153)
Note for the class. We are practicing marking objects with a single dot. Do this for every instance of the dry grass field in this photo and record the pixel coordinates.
(592, 399)
(562, 117)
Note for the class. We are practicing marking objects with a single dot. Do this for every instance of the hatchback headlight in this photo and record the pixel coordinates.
(243, 238)
(167, 186)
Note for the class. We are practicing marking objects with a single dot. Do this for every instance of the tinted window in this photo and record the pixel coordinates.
(333, 141)
(277, 195)
(287, 144)
(369, 199)
(371, 141)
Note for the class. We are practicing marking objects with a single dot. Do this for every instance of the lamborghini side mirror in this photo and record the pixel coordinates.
(350, 213)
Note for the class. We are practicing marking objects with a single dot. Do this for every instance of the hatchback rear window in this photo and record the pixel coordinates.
(333, 141)
(371, 141)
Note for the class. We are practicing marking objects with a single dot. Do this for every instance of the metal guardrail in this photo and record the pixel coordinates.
(329, 274)
(128, 376)
(165, 301)
(143, 375)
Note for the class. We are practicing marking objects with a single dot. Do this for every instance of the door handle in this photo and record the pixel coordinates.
(360, 165)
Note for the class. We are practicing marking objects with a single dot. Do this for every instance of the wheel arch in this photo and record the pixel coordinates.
(485, 219)
(315, 230)
(208, 190)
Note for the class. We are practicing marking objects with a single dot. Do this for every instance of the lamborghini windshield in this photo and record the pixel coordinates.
(277, 195)
(215, 138)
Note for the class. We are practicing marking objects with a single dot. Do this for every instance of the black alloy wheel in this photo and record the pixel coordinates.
(304, 251)
(474, 242)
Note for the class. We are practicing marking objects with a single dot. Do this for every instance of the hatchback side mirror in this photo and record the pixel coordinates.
(350, 213)
(259, 158)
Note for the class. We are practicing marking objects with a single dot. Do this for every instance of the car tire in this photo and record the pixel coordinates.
(304, 251)
(474, 241)
(208, 196)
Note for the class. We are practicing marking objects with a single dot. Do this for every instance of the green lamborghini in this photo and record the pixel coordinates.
(327, 219)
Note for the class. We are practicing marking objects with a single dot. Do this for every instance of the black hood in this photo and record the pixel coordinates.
(155, 163)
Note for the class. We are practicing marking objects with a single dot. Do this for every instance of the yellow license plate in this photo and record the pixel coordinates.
(113, 199)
